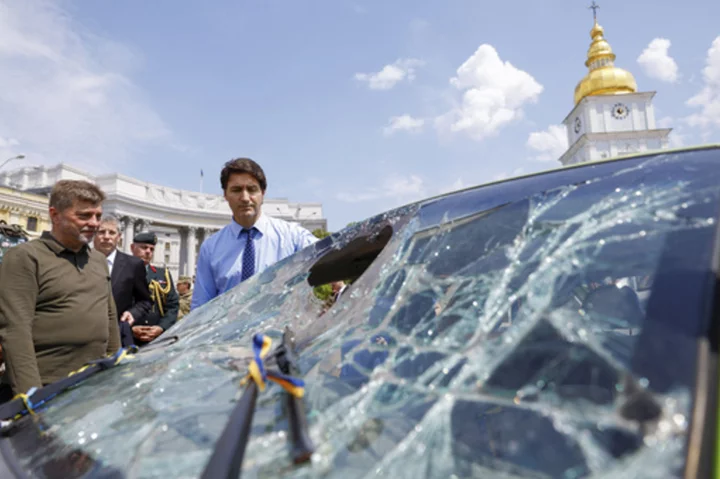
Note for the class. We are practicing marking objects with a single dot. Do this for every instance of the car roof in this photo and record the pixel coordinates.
(263, 309)
(562, 168)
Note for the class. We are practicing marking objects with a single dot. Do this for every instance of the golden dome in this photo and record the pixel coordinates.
(604, 78)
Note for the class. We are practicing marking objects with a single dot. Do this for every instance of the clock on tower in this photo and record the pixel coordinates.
(610, 115)
(619, 111)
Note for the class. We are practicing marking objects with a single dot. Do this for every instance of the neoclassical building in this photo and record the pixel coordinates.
(610, 117)
(181, 219)
(24, 209)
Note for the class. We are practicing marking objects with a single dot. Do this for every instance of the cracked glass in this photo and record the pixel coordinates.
(516, 330)
(10, 236)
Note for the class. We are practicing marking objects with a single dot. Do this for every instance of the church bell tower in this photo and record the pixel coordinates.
(610, 118)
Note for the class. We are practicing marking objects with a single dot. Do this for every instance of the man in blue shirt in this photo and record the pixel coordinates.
(251, 242)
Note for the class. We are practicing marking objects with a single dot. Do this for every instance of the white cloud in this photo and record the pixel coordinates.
(657, 63)
(404, 123)
(708, 98)
(677, 138)
(505, 175)
(665, 122)
(8, 142)
(458, 184)
(391, 75)
(494, 94)
(551, 143)
(401, 189)
(65, 94)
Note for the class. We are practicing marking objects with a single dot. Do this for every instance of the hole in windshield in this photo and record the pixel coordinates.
(351, 261)
(334, 273)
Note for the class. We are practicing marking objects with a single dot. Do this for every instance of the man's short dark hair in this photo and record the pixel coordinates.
(65, 193)
(243, 165)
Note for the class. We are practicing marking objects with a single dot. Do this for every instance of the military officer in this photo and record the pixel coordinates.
(184, 285)
(165, 298)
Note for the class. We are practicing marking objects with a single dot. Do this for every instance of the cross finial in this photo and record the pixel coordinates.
(594, 8)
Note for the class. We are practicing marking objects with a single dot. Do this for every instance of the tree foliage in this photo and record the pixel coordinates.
(321, 233)
(323, 292)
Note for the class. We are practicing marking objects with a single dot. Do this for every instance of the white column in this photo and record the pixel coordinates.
(141, 225)
(175, 250)
(128, 235)
(191, 245)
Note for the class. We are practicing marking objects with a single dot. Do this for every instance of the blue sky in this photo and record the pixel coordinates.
(359, 104)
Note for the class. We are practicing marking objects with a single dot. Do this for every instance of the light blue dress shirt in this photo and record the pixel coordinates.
(219, 264)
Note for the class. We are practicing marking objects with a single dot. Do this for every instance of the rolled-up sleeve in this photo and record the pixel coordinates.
(18, 296)
(204, 288)
(303, 238)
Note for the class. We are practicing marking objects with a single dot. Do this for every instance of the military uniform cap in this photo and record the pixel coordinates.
(184, 279)
(145, 237)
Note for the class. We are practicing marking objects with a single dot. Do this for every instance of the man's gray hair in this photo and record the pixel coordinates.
(66, 193)
(110, 219)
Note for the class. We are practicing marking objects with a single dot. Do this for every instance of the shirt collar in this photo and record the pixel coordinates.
(111, 256)
(261, 225)
(57, 247)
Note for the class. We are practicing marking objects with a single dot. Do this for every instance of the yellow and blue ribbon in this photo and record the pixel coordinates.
(125, 353)
(31, 407)
(260, 375)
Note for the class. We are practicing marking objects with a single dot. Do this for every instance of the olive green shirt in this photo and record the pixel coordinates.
(57, 312)
(185, 302)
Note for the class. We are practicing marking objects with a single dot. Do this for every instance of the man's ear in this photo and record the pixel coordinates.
(54, 213)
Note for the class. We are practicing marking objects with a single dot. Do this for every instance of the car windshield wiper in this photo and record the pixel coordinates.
(227, 457)
(28, 403)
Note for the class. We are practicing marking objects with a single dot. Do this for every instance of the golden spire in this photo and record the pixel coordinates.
(604, 78)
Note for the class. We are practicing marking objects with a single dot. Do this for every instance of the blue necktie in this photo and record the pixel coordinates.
(248, 262)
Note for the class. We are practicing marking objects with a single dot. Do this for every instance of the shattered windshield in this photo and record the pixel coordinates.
(9, 237)
(519, 330)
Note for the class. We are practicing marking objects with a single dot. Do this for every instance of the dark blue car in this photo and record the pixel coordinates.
(560, 325)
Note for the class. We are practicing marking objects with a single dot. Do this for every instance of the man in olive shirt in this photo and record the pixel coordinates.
(56, 307)
(184, 289)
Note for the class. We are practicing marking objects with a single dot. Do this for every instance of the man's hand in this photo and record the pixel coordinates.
(127, 317)
(147, 333)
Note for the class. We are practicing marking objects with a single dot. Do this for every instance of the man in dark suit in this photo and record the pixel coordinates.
(127, 275)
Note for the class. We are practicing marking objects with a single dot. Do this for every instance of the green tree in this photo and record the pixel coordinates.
(321, 233)
(323, 292)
